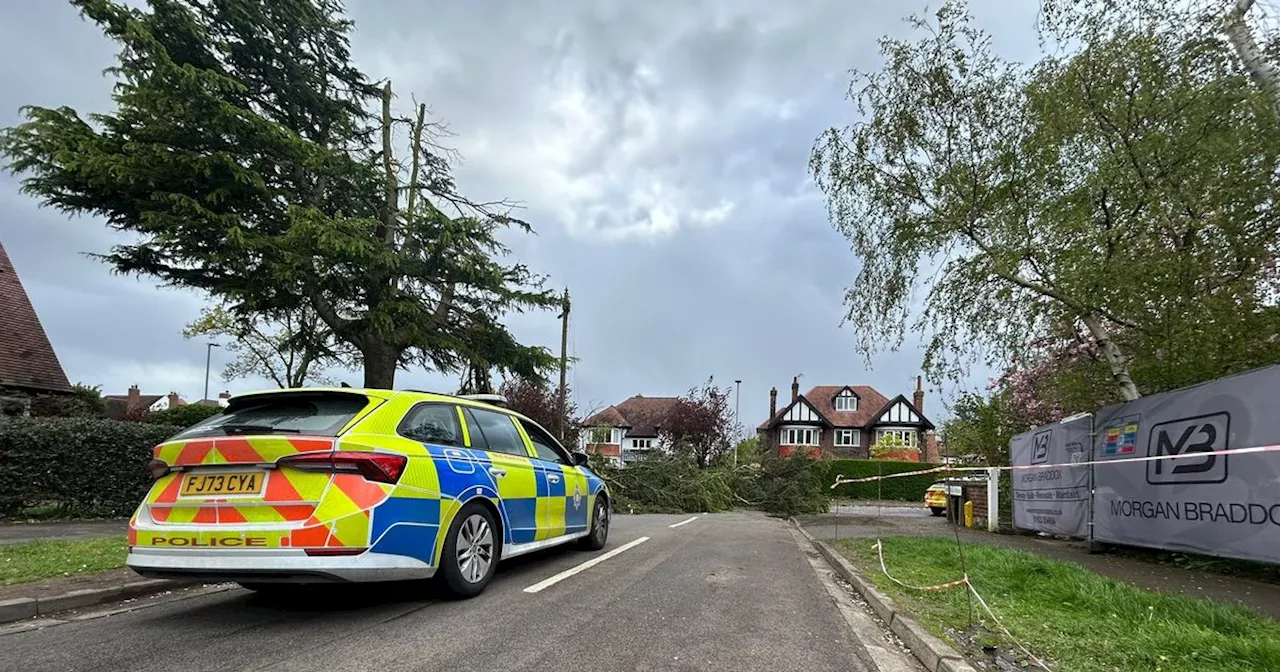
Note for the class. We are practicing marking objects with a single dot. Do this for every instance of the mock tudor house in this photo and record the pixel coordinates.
(628, 430)
(846, 420)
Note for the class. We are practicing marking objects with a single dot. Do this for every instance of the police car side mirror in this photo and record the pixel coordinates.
(579, 459)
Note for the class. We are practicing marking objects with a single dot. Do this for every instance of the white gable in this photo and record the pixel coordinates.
(801, 412)
(900, 413)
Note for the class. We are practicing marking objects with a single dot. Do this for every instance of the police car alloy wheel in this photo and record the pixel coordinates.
(470, 551)
(599, 526)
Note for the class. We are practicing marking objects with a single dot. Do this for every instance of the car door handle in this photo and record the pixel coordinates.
(553, 478)
(497, 473)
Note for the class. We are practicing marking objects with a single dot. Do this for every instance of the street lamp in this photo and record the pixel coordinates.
(208, 357)
(737, 429)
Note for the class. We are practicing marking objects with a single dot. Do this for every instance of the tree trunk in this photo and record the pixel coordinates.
(380, 363)
(1263, 73)
(1115, 358)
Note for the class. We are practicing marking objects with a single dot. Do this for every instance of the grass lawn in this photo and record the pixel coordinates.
(1065, 614)
(35, 560)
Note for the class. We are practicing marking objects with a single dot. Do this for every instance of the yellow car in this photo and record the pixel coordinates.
(936, 498)
(344, 484)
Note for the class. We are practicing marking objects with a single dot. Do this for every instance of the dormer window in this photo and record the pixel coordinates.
(846, 401)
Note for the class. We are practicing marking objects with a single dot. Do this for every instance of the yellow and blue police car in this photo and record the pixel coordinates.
(344, 484)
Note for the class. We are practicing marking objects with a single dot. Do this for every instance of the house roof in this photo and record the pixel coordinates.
(27, 359)
(924, 422)
(641, 415)
(118, 404)
(822, 399)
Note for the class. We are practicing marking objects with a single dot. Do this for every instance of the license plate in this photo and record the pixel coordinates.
(210, 485)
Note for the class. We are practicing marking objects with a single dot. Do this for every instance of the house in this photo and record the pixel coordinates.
(223, 400)
(627, 430)
(134, 403)
(846, 420)
(28, 365)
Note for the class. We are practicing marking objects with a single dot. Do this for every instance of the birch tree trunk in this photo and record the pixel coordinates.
(1115, 358)
(1263, 73)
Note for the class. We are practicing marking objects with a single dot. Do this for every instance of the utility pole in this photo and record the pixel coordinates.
(208, 357)
(564, 364)
(737, 429)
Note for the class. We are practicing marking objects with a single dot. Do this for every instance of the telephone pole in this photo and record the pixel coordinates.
(564, 364)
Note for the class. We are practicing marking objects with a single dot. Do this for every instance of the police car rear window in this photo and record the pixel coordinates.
(304, 413)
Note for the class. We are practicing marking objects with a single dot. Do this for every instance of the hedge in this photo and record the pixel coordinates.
(907, 488)
(85, 466)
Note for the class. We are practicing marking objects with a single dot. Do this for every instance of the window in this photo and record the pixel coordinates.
(323, 413)
(848, 437)
(432, 423)
(497, 432)
(906, 436)
(800, 436)
(846, 402)
(543, 444)
(641, 444)
(603, 435)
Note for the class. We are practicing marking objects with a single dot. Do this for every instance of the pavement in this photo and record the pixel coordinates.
(14, 533)
(910, 520)
(731, 591)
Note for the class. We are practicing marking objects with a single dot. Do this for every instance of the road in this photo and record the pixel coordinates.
(727, 591)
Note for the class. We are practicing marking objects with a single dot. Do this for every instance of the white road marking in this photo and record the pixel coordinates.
(684, 522)
(551, 581)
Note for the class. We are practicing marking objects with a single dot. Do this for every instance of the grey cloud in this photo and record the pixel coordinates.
(718, 102)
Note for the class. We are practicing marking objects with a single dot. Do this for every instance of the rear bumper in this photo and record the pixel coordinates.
(278, 566)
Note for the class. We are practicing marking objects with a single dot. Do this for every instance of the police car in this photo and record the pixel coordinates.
(344, 484)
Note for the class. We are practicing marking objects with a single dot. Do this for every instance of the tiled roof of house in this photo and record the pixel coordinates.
(641, 415)
(822, 398)
(118, 404)
(27, 359)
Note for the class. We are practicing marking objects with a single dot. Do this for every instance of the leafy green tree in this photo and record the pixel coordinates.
(289, 350)
(981, 426)
(1124, 187)
(246, 156)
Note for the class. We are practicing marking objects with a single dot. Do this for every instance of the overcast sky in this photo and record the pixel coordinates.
(660, 147)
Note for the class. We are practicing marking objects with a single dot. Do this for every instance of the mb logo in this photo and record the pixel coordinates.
(1040, 447)
(1184, 438)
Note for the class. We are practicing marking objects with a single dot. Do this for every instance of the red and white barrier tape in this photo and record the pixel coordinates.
(841, 480)
(961, 582)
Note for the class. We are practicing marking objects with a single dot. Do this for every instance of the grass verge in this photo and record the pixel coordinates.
(36, 560)
(1062, 612)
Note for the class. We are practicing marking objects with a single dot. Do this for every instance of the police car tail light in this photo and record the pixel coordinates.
(380, 467)
(157, 469)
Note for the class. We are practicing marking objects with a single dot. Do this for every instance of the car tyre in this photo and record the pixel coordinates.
(937, 510)
(599, 533)
(470, 553)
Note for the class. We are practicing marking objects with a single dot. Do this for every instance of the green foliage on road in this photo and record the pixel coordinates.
(249, 158)
(35, 560)
(907, 488)
(676, 484)
(1077, 620)
(86, 467)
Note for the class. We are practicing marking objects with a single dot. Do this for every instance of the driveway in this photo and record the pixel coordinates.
(722, 592)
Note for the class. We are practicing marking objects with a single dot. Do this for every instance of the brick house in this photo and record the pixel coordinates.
(846, 420)
(627, 430)
(28, 365)
(122, 406)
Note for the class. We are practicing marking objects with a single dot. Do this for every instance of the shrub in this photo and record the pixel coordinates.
(907, 488)
(183, 416)
(87, 466)
(791, 486)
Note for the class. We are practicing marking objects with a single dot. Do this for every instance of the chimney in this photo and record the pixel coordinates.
(773, 402)
(918, 397)
(174, 401)
(795, 387)
(135, 396)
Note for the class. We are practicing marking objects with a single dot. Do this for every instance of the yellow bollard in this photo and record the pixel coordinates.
(968, 514)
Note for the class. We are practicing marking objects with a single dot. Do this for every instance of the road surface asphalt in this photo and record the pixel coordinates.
(729, 591)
